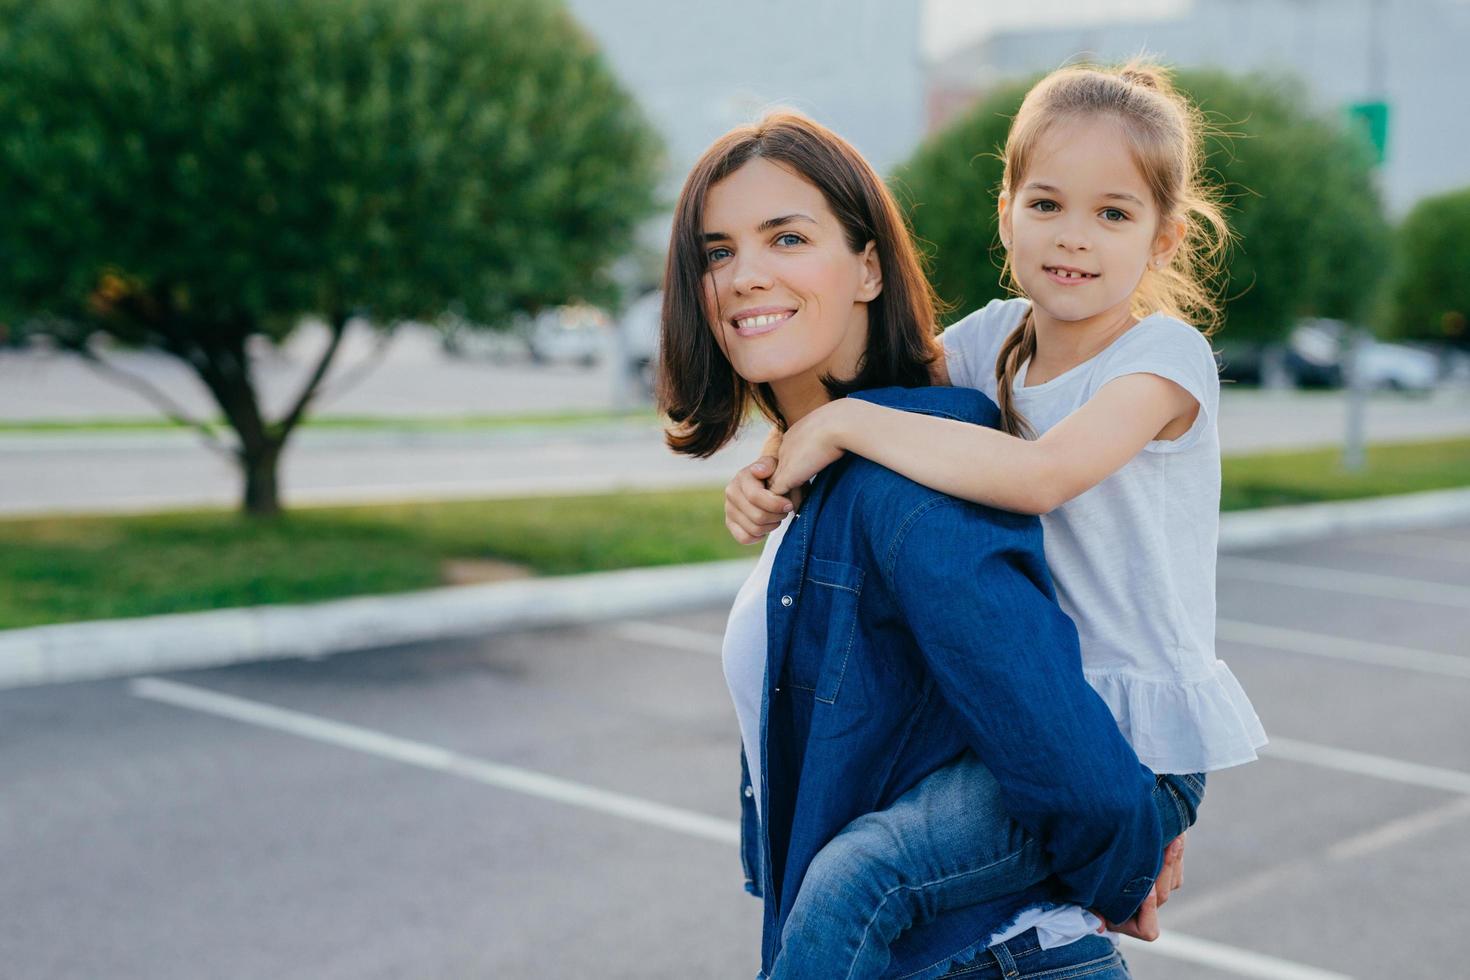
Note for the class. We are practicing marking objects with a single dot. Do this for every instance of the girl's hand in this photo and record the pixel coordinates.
(810, 446)
(751, 510)
(1145, 922)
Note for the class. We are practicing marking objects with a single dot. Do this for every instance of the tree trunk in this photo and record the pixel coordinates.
(259, 463)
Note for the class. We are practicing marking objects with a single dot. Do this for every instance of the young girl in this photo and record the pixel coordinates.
(1109, 400)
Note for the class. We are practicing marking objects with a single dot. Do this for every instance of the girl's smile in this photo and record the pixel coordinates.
(1068, 275)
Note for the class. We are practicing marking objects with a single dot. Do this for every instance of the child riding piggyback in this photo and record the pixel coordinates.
(1109, 399)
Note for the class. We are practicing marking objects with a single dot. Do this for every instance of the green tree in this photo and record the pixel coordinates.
(1312, 238)
(1431, 289)
(189, 174)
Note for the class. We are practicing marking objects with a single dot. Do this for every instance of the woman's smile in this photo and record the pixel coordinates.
(762, 320)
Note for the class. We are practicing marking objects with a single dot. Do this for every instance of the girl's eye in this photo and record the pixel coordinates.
(1113, 214)
(718, 254)
(789, 238)
(1045, 206)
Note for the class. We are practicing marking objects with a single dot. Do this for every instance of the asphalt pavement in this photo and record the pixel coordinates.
(563, 803)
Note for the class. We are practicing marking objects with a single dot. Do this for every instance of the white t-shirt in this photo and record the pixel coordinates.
(743, 653)
(1134, 557)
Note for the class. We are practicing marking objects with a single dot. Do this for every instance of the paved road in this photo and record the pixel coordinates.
(415, 379)
(171, 469)
(562, 804)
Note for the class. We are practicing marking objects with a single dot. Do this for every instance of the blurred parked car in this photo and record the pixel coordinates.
(1313, 358)
(1397, 367)
(570, 334)
(578, 334)
(639, 332)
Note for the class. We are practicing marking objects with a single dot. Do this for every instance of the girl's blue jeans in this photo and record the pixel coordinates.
(945, 844)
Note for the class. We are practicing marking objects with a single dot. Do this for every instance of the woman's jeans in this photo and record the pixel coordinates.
(1022, 957)
(945, 844)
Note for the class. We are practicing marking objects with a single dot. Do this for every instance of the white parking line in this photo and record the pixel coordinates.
(1293, 750)
(1350, 583)
(1341, 648)
(1240, 962)
(664, 635)
(1364, 764)
(433, 757)
(1399, 831)
(1418, 546)
(1277, 875)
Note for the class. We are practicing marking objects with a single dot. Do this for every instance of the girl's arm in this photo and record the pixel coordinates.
(986, 465)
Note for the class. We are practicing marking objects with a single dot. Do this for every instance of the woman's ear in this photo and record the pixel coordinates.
(1003, 214)
(872, 284)
(1167, 242)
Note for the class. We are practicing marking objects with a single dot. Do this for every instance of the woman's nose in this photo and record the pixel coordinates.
(749, 273)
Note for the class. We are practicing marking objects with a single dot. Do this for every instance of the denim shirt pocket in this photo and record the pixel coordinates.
(833, 588)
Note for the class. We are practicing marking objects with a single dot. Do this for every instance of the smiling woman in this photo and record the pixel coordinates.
(852, 308)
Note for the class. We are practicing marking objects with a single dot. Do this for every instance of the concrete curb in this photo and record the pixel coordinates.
(119, 647)
(183, 641)
(1267, 526)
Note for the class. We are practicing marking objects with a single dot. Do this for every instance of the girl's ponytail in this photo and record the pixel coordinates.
(1017, 350)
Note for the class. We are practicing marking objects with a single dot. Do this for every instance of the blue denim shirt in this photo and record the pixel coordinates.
(905, 625)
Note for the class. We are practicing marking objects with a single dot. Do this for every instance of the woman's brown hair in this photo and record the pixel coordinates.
(1165, 132)
(698, 389)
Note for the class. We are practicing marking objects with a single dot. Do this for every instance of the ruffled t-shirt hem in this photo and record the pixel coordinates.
(1201, 724)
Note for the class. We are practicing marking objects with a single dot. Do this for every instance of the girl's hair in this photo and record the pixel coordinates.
(1165, 132)
(698, 389)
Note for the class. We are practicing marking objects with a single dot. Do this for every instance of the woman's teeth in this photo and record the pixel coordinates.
(765, 320)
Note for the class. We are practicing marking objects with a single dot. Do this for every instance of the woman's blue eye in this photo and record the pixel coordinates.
(716, 254)
(795, 239)
(1113, 214)
(1046, 207)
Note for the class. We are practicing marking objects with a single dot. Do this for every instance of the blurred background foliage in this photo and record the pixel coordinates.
(1431, 295)
(184, 174)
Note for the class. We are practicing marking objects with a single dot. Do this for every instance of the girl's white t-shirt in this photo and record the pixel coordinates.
(1133, 558)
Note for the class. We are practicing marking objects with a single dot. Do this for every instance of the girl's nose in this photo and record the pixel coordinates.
(1071, 239)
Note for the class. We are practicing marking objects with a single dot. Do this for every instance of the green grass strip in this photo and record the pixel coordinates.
(391, 423)
(76, 568)
(1273, 479)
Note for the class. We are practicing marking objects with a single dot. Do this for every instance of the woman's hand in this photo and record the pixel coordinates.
(751, 510)
(811, 445)
(1145, 922)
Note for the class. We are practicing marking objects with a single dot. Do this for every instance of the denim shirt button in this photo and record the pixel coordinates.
(786, 600)
(749, 792)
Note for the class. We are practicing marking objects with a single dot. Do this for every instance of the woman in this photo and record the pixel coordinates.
(867, 651)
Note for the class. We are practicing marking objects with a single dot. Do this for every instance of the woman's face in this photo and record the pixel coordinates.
(786, 297)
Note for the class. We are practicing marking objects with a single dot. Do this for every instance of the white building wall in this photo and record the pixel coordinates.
(1418, 48)
(700, 68)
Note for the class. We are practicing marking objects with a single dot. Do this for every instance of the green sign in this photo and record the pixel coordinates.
(1372, 118)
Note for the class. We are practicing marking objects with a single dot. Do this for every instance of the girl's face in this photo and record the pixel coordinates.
(1083, 228)
(786, 297)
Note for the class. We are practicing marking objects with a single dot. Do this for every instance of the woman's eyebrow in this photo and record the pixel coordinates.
(767, 225)
(785, 219)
